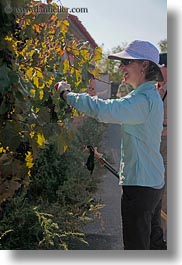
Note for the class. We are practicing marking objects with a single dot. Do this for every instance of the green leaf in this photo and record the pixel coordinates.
(5, 82)
(16, 170)
(43, 116)
(13, 77)
(23, 87)
(63, 140)
(10, 135)
(4, 107)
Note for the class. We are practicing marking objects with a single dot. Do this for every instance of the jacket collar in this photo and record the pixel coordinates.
(144, 86)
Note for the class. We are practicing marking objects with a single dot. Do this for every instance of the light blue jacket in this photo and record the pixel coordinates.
(140, 115)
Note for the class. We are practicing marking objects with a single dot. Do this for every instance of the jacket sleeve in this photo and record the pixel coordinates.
(128, 110)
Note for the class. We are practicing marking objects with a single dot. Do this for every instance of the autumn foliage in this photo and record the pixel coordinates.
(37, 50)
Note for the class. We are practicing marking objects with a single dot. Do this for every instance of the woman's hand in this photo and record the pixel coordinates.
(91, 89)
(62, 86)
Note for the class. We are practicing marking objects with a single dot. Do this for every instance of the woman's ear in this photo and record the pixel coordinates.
(145, 65)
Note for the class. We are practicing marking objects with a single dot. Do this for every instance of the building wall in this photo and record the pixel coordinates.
(103, 87)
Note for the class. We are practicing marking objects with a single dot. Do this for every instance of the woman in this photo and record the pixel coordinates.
(123, 90)
(140, 114)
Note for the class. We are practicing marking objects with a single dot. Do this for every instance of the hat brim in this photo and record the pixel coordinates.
(125, 55)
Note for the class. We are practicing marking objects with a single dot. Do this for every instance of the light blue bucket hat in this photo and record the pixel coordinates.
(140, 50)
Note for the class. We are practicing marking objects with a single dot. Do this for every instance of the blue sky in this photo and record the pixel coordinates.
(121, 21)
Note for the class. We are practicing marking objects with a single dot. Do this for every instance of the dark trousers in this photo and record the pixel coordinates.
(141, 218)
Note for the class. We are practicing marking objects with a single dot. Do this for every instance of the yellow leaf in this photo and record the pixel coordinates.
(77, 83)
(66, 22)
(49, 82)
(61, 52)
(36, 81)
(75, 113)
(33, 125)
(85, 54)
(97, 54)
(41, 86)
(29, 73)
(29, 160)
(37, 28)
(31, 53)
(51, 31)
(1, 150)
(44, 45)
(58, 24)
(78, 76)
(53, 18)
(64, 28)
(66, 66)
(39, 72)
(8, 38)
(40, 139)
(32, 134)
(41, 94)
(65, 148)
(32, 91)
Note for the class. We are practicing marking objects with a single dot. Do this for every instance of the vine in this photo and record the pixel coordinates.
(37, 50)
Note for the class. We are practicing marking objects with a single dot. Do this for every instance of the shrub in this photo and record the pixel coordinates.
(58, 202)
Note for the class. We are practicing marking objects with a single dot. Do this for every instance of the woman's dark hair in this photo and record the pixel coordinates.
(152, 72)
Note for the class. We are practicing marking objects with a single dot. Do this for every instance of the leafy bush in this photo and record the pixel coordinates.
(58, 201)
(44, 195)
(37, 50)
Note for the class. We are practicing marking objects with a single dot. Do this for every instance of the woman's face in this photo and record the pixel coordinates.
(133, 72)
